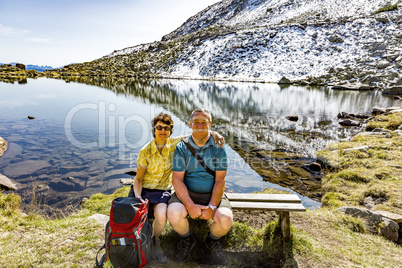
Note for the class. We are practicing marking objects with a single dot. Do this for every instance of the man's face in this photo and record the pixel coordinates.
(200, 125)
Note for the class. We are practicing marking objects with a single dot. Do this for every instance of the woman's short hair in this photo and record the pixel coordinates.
(164, 118)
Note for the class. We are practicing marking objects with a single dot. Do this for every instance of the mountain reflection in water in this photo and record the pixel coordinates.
(252, 117)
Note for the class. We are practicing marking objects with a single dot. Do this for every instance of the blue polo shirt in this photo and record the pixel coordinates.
(196, 178)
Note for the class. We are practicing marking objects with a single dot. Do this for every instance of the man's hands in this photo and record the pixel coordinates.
(196, 211)
(207, 214)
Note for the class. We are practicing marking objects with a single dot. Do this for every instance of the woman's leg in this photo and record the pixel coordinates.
(160, 219)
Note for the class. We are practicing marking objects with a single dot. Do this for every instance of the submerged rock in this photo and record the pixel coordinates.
(24, 168)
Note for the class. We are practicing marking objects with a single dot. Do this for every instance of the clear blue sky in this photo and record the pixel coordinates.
(59, 32)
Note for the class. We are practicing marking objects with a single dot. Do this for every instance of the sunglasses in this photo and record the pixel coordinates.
(167, 128)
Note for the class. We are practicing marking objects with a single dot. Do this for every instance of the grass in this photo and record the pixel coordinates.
(366, 166)
(388, 8)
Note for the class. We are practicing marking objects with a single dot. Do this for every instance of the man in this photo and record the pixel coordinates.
(198, 193)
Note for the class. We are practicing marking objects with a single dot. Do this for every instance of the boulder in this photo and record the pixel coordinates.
(312, 167)
(379, 110)
(127, 181)
(335, 38)
(397, 90)
(293, 118)
(65, 185)
(284, 81)
(20, 66)
(7, 184)
(100, 218)
(346, 87)
(383, 64)
(375, 223)
(3, 146)
(343, 115)
(382, 18)
(349, 123)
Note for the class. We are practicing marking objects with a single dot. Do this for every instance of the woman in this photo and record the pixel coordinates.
(154, 175)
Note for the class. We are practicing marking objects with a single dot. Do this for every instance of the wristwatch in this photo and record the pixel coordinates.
(214, 208)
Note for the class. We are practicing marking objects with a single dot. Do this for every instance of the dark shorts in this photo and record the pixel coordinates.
(154, 196)
(202, 199)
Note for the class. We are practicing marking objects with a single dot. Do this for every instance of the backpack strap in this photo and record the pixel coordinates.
(99, 264)
(198, 158)
(137, 236)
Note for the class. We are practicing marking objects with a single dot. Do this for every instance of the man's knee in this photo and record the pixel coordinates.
(176, 212)
(224, 217)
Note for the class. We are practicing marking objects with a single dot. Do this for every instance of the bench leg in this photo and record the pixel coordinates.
(284, 221)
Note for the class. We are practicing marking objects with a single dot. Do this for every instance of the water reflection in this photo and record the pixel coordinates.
(251, 117)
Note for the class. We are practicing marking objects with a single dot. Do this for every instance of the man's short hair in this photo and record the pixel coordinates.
(201, 110)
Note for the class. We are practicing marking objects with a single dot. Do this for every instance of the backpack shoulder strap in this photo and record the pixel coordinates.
(198, 158)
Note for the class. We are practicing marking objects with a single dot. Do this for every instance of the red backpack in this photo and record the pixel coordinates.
(127, 234)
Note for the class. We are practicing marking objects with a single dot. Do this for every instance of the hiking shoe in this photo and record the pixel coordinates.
(157, 252)
(184, 247)
(218, 256)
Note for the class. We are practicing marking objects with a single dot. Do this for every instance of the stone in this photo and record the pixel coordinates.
(100, 218)
(369, 202)
(293, 118)
(20, 66)
(336, 39)
(382, 18)
(284, 81)
(127, 181)
(396, 90)
(399, 82)
(3, 146)
(392, 216)
(349, 123)
(361, 149)
(7, 184)
(375, 223)
(346, 87)
(65, 185)
(378, 110)
(313, 167)
(383, 64)
(25, 168)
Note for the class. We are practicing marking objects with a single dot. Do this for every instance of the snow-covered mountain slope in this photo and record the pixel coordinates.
(319, 41)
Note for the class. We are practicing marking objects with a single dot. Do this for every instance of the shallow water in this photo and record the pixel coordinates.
(93, 132)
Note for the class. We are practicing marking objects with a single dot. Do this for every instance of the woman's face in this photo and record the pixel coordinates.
(162, 131)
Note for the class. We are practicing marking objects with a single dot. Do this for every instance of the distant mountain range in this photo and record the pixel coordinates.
(33, 67)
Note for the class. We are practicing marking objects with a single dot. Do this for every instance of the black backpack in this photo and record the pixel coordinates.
(127, 234)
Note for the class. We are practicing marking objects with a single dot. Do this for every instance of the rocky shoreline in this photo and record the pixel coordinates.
(17, 73)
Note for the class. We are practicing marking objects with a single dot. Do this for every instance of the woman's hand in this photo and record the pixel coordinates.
(220, 140)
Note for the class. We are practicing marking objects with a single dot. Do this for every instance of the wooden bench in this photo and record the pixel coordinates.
(281, 203)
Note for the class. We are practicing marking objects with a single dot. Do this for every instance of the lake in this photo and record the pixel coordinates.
(87, 135)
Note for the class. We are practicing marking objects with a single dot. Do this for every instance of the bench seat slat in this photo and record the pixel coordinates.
(283, 198)
(268, 206)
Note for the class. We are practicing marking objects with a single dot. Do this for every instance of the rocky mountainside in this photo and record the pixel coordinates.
(317, 42)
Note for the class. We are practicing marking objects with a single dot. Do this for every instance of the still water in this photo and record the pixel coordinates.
(92, 131)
